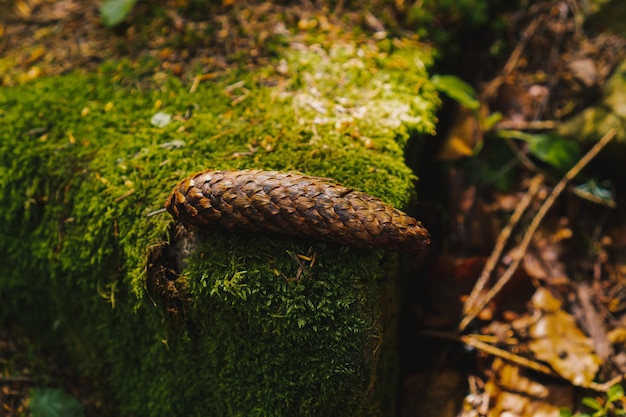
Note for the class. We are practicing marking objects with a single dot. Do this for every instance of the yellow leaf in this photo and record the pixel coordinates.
(23, 8)
(557, 340)
(617, 336)
(464, 135)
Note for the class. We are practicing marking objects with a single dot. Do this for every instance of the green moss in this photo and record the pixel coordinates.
(258, 330)
(281, 325)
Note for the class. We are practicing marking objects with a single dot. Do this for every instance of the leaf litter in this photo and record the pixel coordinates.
(526, 305)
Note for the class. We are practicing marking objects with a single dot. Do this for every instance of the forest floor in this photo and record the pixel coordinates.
(555, 330)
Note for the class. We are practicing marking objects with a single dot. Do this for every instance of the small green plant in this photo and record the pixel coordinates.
(613, 406)
(113, 12)
(456, 89)
(53, 402)
(548, 147)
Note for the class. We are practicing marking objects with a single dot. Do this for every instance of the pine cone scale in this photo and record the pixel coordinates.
(293, 204)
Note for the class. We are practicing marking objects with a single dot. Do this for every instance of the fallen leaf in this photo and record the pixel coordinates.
(464, 135)
(161, 119)
(584, 70)
(512, 393)
(557, 340)
(617, 336)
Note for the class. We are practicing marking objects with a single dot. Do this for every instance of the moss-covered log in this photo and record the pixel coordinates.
(253, 324)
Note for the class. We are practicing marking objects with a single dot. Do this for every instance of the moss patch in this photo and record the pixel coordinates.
(261, 328)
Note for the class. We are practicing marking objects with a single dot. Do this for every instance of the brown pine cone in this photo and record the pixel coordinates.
(293, 204)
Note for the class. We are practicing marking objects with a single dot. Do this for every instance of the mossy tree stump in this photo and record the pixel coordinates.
(255, 324)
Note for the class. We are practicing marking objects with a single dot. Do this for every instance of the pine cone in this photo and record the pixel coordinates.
(293, 204)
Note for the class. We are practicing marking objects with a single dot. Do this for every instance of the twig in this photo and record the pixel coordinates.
(470, 340)
(604, 387)
(199, 78)
(593, 322)
(493, 86)
(473, 341)
(526, 125)
(534, 224)
(155, 212)
(523, 158)
(11, 379)
(521, 45)
(499, 247)
(126, 194)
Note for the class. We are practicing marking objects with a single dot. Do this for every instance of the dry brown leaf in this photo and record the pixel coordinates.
(466, 132)
(544, 261)
(512, 393)
(557, 340)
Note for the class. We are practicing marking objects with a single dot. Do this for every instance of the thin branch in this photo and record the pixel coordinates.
(491, 89)
(474, 341)
(11, 379)
(521, 250)
(469, 340)
(526, 125)
(533, 188)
